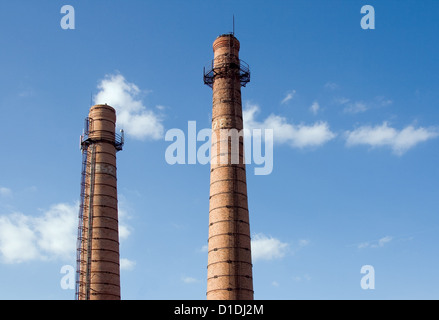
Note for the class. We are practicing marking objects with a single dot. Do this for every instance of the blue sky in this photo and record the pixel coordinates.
(361, 190)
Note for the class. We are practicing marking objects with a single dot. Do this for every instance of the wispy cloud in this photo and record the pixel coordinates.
(295, 135)
(125, 230)
(290, 95)
(26, 93)
(331, 86)
(341, 100)
(122, 208)
(315, 107)
(376, 243)
(189, 280)
(132, 115)
(305, 277)
(355, 107)
(400, 141)
(383, 101)
(5, 192)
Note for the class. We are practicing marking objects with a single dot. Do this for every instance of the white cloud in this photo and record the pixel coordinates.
(383, 101)
(383, 241)
(375, 244)
(315, 107)
(56, 230)
(5, 192)
(303, 243)
(17, 239)
(352, 107)
(124, 229)
(341, 101)
(331, 86)
(298, 136)
(53, 235)
(289, 96)
(356, 107)
(306, 277)
(189, 280)
(126, 264)
(383, 135)
(267, 248)
(132, 116)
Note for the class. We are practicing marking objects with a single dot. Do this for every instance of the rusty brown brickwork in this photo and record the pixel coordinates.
(99, 277)
(229, 271)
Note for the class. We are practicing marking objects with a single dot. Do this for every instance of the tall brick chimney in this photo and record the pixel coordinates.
(229, 270)
(98, 270)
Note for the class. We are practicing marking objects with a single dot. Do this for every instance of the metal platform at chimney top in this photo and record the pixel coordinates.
(213, 70)
(118, 139)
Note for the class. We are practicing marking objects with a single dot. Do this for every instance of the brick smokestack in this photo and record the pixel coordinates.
(229, 270)
(98, 270)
